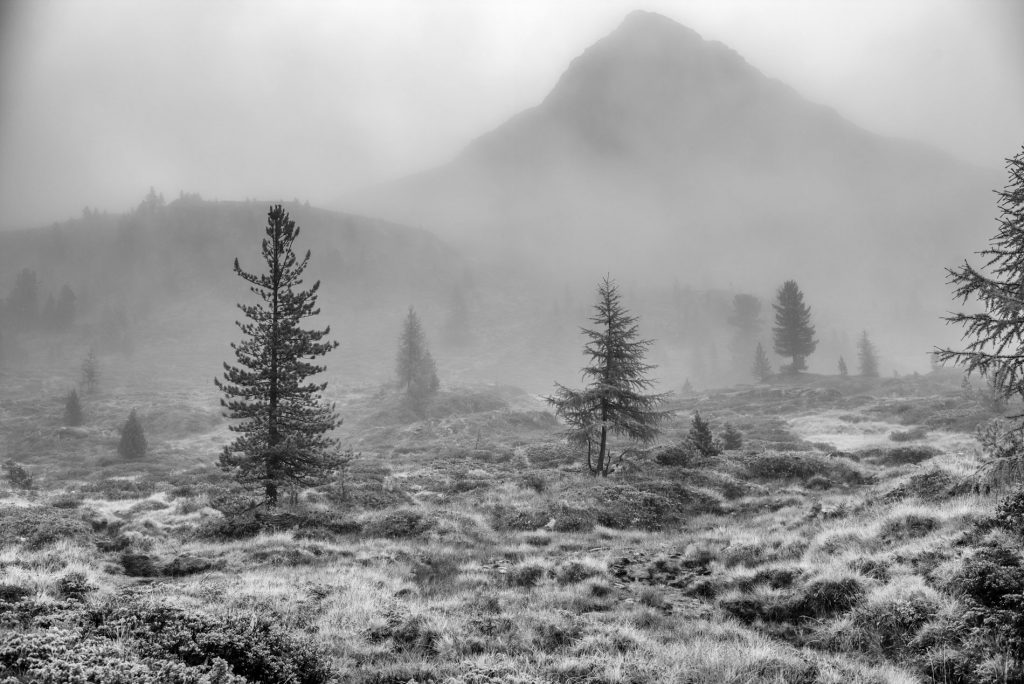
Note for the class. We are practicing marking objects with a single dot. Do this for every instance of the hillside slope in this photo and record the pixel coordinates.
(660, 155)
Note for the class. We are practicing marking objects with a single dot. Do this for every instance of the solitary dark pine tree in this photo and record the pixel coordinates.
(417, 372)
(994, 338)
(843, 370)
(867, 357)
(794, 334)
(72, 410)
(283, 434)
(614, 401)
(762, 366)
(133, 442)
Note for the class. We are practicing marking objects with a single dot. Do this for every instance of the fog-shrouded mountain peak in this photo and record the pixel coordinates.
(659, 155)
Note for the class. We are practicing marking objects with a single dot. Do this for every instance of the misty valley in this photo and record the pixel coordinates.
(673, 377)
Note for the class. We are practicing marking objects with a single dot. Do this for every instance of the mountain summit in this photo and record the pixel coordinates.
(661, 155)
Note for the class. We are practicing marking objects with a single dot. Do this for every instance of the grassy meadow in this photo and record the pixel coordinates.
(857, 535)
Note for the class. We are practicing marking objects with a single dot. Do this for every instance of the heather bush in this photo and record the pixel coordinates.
(36, 526)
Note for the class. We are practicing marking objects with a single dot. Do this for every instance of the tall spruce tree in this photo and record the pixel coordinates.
(843, 370)
(794, 334)
(762, 366)
(994, 338)
(417, 372)
(283, 434)
(614, 402)
(867, 356)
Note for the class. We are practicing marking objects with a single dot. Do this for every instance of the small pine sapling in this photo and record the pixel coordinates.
(843, 370)
(867, 357)
(17, 476)
(133, 442)
(700, 438)
(762, 366)
(72, 410)
(732, 438)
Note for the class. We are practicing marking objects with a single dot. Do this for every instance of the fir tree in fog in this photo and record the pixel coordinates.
(132, 445)
(762, 368)
(843, 370)
(415, 367)
(794, 334)
(72, 409)
(285, 422)
(867, 356)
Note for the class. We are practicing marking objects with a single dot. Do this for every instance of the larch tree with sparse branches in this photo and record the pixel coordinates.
(284, 423)
(994, 337)
(615, 401)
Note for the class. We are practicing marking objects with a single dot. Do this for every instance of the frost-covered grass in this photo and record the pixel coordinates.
(776, 562)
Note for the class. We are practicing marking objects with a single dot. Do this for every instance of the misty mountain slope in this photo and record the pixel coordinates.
(661, 155)
(158, 282)
(189, 245)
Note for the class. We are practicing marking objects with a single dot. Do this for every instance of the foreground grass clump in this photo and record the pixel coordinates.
(132, 639)
(37, 526)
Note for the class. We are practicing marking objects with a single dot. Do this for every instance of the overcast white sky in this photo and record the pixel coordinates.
(99, 100)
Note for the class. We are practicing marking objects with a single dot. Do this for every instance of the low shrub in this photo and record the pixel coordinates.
(17, 476)
(652, 597)
(677, 455)
(558, 633)
(533, 481)
(408, 633)
(827, 596)
(37, 526)
(66, 500)
(75, 586)
(774, 465)
(573, 572)
(526, 575)
(181, 566)
(919, 432)
(12, 593)
(509, 519)
(138, 565)
(819, 482)
(398, 524)
(250, 646)
(624, 506)
(571, 519)
(1010, 512)
(899, 456)
(901, 528)
(437, 569)
(934, 484)
(119, 488)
